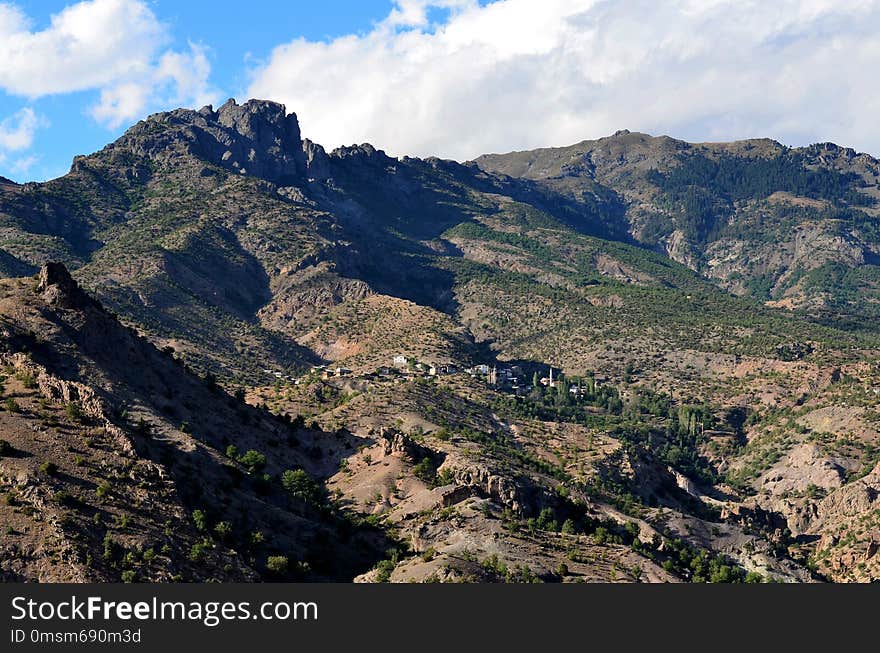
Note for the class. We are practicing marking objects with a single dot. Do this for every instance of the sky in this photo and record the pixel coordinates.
(452, 78)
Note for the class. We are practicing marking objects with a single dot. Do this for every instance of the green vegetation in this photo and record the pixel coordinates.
(278, 565)
(302, 486)
(49, 468)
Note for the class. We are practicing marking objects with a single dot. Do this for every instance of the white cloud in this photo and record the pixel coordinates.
(114, 46)
(121, 102)
(17, 131)
(179, 78)
(87, 45)
(521, 73)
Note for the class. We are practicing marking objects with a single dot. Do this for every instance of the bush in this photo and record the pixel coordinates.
(66, 499)
(277, 564)
(223, 530)
(384, 570)
(253, 460)
(12, 406)
(49, 468)
(547, 520)
(6, 449)
(199, 550)
(73, 411)
(112, 549)
(200, 520)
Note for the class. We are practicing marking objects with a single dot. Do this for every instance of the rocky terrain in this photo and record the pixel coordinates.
(229, 354)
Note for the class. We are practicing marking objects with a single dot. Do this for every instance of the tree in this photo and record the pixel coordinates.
(301, 485)
(425, 470)
(253, 460)
(547, 520)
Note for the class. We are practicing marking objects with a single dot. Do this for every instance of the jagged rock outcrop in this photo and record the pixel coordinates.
(89, 403)
(396, 443)
(59, 289)
(257, 138)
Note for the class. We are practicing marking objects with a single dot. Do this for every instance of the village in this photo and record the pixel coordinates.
(509, 379)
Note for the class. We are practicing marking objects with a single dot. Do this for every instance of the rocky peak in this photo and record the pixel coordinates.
(364, 151)
(258, 138)
(58, 288)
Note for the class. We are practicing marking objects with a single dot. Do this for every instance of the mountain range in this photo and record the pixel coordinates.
(231, 354)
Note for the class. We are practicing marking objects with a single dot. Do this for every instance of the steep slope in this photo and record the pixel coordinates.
(116, 460)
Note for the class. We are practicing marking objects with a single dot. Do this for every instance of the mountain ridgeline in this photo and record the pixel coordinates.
(710, 310)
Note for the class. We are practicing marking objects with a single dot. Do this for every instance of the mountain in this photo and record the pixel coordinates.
(796, 227)
(391, 324)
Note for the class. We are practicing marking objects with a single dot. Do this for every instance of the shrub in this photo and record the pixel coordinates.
(112, 549)
(223, 530)
(199, 550)
(253, 460)
(200, 520)
(103, 489)
(12, 406)
(384, 570)
(66, 499)
(547, 520)
(73, 411)
(6, 449)
(49, 468)
(277, 564)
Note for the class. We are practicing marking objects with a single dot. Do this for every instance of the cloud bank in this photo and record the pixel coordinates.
(516, 74)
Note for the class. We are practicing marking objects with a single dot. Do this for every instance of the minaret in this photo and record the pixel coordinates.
(551, 378)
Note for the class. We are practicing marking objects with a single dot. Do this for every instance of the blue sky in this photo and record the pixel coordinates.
(453, 78)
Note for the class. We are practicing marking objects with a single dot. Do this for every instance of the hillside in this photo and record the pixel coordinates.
(115, 460)
(794, 227)
(391, 323)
